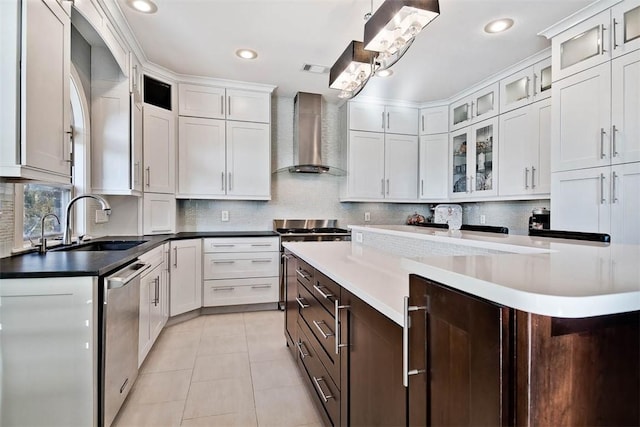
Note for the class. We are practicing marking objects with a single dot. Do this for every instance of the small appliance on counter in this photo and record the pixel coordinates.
(448, 214)
(416, 219)
(540, 219)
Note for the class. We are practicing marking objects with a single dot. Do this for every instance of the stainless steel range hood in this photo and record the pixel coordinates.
(307, 134)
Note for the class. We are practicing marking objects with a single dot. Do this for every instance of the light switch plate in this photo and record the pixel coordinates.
(367, 216)
(101, 216)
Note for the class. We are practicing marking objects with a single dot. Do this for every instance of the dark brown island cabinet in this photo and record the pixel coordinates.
(465, 361)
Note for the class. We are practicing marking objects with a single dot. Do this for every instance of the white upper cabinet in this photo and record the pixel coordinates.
(529, 85)
(401, 167)
(625, 108)
(473, 161)
(379, 118)
(432, 169)
(136, 77)
(159, 150)
(248, 164)
(525, 136)
(42, 148)
(434, 120)
(479, 106)
(159, 213)
(582, 120)
(625, 21)
(220, 103)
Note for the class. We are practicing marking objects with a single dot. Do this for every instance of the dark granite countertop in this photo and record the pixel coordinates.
(98, 263)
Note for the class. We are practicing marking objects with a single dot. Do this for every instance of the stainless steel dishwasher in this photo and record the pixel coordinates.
(121, 310)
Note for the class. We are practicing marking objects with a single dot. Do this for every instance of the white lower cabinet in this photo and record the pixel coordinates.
(154, 300)
(186, 276)
(241, 270)
(598, 200)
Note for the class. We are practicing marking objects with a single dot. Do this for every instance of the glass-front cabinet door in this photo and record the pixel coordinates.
(460, 181)
(480, 105)
(626, 27)
(484, 154)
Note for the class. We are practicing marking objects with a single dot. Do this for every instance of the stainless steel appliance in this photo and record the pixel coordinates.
(120, 335)
(305, 230)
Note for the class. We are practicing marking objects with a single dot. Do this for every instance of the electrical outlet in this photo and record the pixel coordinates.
(483, 219)
(358, 237)
(101, 216)
(225, 216)
(367, 216)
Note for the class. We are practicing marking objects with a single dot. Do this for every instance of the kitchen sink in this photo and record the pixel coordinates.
(104, 245)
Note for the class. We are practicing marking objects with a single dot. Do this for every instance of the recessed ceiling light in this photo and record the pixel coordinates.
(144, 6)
(498, 26)
(246, 54)
(384, 73)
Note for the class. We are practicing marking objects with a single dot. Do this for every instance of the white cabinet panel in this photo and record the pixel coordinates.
(625, 18)
(366, 117)
(248, 160)
(526, 86)
(241, 244)
(201, 101)
(159, 213)
(231, 265)
(479, 106)
(366, 165)
(582, 114)
(201, 157)
(433, 170)
(186, 276)
(240, 291)
(625, 203)
(434, 120)
(625, 109)
(401, 120)
(401, 167)
(159, 150)
(248, 106)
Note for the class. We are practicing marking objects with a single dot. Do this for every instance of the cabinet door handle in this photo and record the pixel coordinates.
(422, 187)
(614, 149)
(472, 102)
(64, 146)
(337, 309)
(222, 181)
(533, 178)
(526, 88)
(387, 187)
(303, 354)
(156, 300)
(406, 372)
(614, 198)
(422, 117)
(230, 182)
(471, 181)
(302, 303)
(301, 274)
(324, 334)
(535, 84)
(388, 122)
(324, 396)
(382, 186)
(468, 185)
(602, 198)
(261, 260)
(383, 120)
(222, 105)
(613, 36)
(602, 134)
(602, 49)
(175, 257)
(322, 294)
(148, 169)
(526, 178)
(265, 286)
(229, 106)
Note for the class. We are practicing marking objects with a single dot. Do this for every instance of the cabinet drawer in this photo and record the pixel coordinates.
(240, 265)
(240, 291)
(324, 387)
(154, 256)
(242, 244)
(322, 326)
(305, 274)
(326, 291)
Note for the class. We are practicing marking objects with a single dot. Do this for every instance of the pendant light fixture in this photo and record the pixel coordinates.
(388, 34)
(352, 70)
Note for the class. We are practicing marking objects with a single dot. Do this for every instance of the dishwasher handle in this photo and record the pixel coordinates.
(126, 275)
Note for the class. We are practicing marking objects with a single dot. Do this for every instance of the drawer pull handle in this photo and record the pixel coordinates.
(322, 294)
(303, 354)
(301, 274)
(223, 246)
(265, 286)
(302, 303)
(261, 244)
(323, 333)
(223, 289)
(224, 262)
(339, 307)
(260, 260)
(325, 397)
(406, 372)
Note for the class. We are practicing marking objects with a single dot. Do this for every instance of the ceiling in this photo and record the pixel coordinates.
(200, 37)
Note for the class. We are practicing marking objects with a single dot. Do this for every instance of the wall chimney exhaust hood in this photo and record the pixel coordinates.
(307, 135)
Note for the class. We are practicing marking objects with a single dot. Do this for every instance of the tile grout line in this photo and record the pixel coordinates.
(193, 368)
(253, 388)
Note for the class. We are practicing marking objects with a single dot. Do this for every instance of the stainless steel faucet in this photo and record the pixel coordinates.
(43, 241)
(66, 239)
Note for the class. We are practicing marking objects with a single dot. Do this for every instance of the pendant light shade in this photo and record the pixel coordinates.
(396, 23)
(352, 69)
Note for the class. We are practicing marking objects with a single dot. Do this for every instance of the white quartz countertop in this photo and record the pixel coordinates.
(552, 277)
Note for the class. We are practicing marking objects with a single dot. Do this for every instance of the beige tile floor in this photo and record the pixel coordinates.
(220, 370)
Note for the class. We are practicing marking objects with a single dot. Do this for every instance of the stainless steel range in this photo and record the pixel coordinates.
(305, 230)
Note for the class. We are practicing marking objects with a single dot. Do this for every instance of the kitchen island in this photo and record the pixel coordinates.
(512, 329)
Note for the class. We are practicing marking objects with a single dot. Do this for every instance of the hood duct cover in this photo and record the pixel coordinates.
(307, 134)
